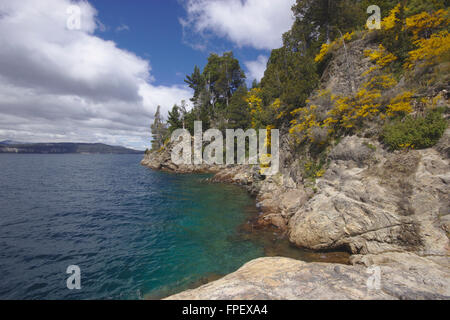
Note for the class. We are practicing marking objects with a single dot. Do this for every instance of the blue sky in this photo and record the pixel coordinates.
(96, 70)
(152, 30)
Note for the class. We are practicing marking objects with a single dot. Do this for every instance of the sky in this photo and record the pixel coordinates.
(95, 71)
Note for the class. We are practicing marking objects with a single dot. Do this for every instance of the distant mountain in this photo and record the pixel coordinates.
(11, 142)
(61, 148)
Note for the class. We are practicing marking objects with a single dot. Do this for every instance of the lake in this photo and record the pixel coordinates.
(133, 232)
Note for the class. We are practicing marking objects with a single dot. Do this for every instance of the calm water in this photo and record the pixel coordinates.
(133, 232)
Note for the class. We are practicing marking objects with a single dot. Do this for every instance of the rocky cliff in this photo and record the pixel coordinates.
(389, 209)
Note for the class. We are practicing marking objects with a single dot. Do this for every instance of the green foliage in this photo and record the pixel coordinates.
(222, 100)
(417, 6)
(238, 112)
(174, 120)
(214, 88)
(415, 133)
(223, 76)
(195, 82)
(291, 77)
(159, 131)
(321, 20)
(313, 170)
(370, 146)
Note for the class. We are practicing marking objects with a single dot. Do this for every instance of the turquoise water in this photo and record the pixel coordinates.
(133, 232)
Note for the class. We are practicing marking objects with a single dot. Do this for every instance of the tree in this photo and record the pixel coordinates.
(213, 90)
(321, 21)
(183, 113)
(159, 131)
(174, 119)
(223, 76)
(195, 82)
(290, 76)
(238, 112)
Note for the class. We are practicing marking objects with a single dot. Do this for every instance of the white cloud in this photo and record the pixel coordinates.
(58, 84)
(256, 68)
(255, 23)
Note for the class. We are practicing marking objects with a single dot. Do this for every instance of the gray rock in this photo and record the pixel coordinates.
(287, 279)
(391, 205)
(352, 148)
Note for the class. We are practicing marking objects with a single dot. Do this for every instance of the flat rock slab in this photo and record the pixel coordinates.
(278, 278)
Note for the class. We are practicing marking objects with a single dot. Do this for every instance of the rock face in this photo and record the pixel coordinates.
(389, 209)
(372, 201)
(288, 279)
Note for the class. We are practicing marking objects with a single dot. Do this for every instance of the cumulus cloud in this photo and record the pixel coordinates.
(254, 23)
(256, 68)
(60, 84)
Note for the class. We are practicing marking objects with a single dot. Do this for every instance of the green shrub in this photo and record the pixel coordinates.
(313, 170)
(415, 133)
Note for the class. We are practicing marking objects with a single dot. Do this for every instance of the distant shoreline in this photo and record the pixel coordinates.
(65, 148)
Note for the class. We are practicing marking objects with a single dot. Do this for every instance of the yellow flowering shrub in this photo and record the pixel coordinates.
(336, 44)
(406, 146)
(324, 50)
(254, 102)
(425, 21)
(268, 139)
(275, 108)
(264, 161)
(430, 51)
(400, 105)
(392, 19)
(381, 82)
(427, 31)
(381, 57)
(303, 125)
(313, 169)
(349, 110)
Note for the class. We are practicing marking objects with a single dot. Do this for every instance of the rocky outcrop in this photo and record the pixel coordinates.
(403, 276)
(161, 160)
(389, 209)
(371, 201)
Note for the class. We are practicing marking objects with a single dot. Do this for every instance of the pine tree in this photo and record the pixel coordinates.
(159, 131)
(174, 120)
(195, 82)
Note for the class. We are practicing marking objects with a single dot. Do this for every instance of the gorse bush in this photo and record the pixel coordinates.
(406, 56)
(409, 39)
(415, 133)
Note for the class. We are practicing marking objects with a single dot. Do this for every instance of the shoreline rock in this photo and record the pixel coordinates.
(288, 279)
(386, 208)
(389, 210)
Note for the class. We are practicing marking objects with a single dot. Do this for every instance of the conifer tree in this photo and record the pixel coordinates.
(174, 119)
(159, 131)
